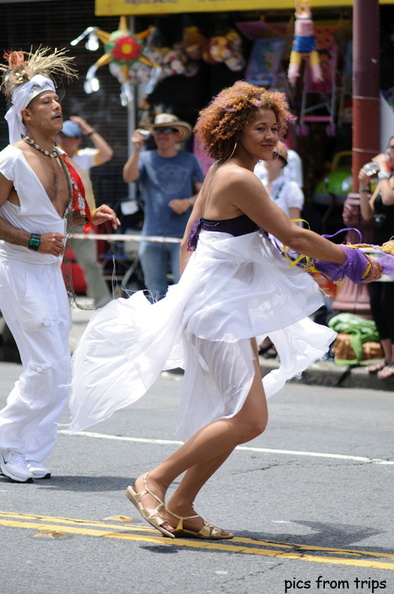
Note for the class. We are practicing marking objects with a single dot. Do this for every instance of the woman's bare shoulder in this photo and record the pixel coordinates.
(233, 174)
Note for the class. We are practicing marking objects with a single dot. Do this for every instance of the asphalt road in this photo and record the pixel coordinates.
(310, 503)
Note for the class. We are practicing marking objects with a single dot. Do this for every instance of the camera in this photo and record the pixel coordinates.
(371, 168)
(380, 220)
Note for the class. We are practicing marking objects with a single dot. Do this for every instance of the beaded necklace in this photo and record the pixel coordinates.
(53, 155)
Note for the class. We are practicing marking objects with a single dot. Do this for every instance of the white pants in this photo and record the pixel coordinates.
(34, 304)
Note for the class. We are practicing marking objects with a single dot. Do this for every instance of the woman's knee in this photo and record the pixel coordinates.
(250, 428)
(258, 427)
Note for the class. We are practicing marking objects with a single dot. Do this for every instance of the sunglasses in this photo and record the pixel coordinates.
(164, 131)
(391, 146)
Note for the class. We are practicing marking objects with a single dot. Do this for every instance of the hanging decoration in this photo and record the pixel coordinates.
(304, 44)
(236, 61)
(193, 42)
(173, 61)
(125, 54)
(135, 58)
(226, 48)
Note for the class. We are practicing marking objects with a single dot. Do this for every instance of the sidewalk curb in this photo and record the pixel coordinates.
(328, 374)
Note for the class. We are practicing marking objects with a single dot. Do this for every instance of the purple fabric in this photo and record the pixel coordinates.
(343, 230)
(356, 262)
(354, 266)
(194, 234)
(387, 262)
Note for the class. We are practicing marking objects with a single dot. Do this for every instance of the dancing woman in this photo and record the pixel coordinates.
(235, 286)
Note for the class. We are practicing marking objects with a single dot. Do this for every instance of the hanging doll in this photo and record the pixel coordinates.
(304, 43)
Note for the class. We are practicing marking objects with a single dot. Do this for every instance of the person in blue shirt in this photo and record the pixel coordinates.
(169, 180)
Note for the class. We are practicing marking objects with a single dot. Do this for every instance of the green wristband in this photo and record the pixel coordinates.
(34, 242)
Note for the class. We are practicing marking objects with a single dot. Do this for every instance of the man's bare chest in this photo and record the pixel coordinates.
(54, 179)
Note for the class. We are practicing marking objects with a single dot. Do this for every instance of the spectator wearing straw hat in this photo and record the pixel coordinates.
(169, 180)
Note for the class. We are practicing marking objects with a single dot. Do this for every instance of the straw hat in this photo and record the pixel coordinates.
(168, 120)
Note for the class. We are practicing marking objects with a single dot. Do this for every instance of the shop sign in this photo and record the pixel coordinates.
(136, 7)
(142, 7)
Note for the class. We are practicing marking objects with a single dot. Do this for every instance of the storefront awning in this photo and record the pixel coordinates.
(145, 7)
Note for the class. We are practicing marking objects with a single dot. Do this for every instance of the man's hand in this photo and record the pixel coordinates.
(104, 214)
(179, 205)
(85, 127)
(138, 139)
(52, 243)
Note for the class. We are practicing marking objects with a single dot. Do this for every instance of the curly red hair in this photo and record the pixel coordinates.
(220, 123)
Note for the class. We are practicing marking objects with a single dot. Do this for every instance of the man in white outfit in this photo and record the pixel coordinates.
(83, 159)
(39, 193)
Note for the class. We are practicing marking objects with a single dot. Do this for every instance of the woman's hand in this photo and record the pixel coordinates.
(375, 272)
(383, 163)
(363, 180)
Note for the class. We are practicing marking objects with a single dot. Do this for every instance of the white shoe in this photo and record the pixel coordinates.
(38, 470)
(13, 464)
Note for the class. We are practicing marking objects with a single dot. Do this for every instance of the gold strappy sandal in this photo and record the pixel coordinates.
(207, 532)
(150, 515)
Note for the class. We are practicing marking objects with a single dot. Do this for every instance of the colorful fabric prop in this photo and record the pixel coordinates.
(357, 266)
(304, 44)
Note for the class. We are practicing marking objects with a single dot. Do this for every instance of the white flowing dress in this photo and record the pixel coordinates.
(233, 289)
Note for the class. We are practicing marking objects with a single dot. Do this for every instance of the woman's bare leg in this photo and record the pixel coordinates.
(182, 501)
(206, 451)
(387, 349)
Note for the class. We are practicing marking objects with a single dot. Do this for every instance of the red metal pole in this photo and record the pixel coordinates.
(366, 136)
(366, 112)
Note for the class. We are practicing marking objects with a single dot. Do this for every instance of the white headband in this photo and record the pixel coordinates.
(21, 99)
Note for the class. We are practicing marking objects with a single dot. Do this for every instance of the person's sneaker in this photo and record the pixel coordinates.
(38, 470)
(14, 466)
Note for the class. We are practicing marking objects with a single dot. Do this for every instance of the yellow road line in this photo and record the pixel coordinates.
(76, 522)
(126, 524)
(256, 547)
